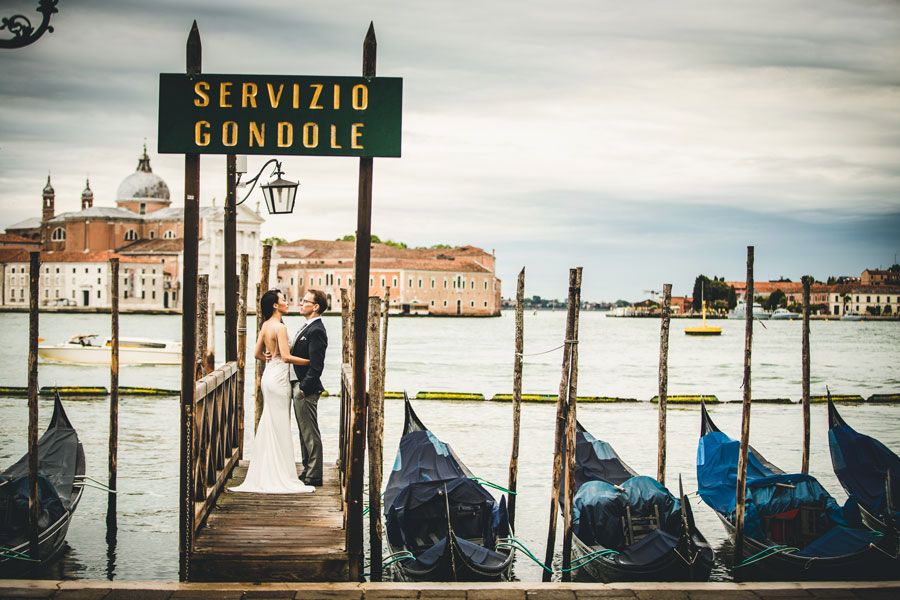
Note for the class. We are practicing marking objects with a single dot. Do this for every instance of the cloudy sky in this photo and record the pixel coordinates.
(645, 141)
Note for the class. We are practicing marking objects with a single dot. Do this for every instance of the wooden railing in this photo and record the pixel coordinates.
(215, 448)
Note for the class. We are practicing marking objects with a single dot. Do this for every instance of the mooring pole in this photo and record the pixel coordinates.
(231, 281)
(804, 385)
(375, 439)
(34, 507)
(111, 525)
(745, 419)
(663, 382)
(384, 331)
(202, 323)
(571, 417)
(188, 329)
(261, 289)
(517, 396)
(560, 431)
(242, 347)
(356, 464)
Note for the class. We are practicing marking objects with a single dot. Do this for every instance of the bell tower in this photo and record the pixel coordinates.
(49, 201)
(87, 196)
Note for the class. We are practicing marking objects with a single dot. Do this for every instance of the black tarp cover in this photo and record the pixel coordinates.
(420, 457)
(862, 463)
(596, 460)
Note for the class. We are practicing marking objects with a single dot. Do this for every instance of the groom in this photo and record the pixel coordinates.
(306, 387)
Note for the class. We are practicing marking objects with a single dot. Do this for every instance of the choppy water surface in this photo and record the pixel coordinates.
(618, 357)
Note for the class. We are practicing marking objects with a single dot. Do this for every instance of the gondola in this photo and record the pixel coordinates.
(629, 527)
(441, 524)
(793, 529)
(60, 469)
(867, 470)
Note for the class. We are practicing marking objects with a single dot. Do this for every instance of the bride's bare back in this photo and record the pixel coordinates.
(274, 340)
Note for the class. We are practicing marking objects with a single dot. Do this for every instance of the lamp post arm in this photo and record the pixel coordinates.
(256, 179)
(20, 26)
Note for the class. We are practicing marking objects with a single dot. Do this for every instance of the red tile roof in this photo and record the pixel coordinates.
(17, 255)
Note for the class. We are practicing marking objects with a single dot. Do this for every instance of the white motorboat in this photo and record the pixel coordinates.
(86, 349)
(782, 314)
(851, 317)
(740, 313)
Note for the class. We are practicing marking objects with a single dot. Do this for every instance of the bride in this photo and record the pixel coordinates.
(272, 468)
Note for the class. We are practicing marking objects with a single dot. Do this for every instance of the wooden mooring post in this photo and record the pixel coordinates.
(261, 289)
(34, 508)
(188, 326)
(202, 323)
(113, 400)
(518, 359)
(571, 414)
(242, 347)
(375, 435)
(562, 407)
(663, 389)
(745, 420)
(804, 385)
(384, 331)
(230, 257)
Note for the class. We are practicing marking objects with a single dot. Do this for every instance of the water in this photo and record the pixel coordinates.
(617, 357)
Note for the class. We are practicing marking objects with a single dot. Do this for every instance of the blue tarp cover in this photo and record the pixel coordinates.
(595, 460)
(649, 549)
(839, 541)
(862, 463)
(599, 508)
(420, 457)
(717, 458)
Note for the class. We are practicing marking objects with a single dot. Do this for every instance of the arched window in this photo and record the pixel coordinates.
(131, 235)
(58, 235)
(152, 234)
(169, 235)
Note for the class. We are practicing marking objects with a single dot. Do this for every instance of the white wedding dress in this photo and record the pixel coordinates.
(272, 468)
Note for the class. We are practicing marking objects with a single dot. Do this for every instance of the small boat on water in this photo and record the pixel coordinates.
(868, 471)
(851, 317)
(793, 529)
(783, 314)
(86, 349)
(441, 524)
(629, 527)
(61, 467)
(740, 311)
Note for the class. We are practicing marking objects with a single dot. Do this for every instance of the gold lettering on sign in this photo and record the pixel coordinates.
(310, 135)
(257, 133)
(229, 133)
(360, 97)
(275, 99)
(296, 103)
(355, 134)
(337, 97)
(200, 88)
(285, 134)
(248, 95)
(201, 137)
(334, 143)
(224, 92)
(314, 103)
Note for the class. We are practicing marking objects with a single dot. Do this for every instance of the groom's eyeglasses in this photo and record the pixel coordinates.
(305, 301)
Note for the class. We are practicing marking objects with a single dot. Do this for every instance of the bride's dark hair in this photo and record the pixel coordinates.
(268, 302)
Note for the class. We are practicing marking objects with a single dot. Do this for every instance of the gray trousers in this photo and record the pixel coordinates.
(306, 411)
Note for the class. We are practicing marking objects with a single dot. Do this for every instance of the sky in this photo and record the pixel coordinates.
(647, 142)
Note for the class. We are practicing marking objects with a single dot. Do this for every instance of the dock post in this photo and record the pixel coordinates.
(663, 381)
(384, 332)
(261, 289)
(804, 385)
(34, 508)
(356, 463)
(202, 323)
(111, 525)
(560, 430)
(745, 420)
(188, 330)
(375, 433)
(242, 347)
(517, 396)
(231, 278)
(571, 418)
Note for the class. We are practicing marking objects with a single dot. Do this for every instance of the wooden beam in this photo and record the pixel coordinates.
(663, 389)
(571, 415)
(804, 377)
(113, 397)
(375, 433)
(231, 280)
(745, 418)
(517, 395)
(242, 347)
(34, 507)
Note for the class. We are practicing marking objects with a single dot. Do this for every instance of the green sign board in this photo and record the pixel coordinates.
(279, 114)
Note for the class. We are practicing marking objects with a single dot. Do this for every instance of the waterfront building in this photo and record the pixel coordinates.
(880, 277)
(864, 300)
(143, 229)
(447, 281)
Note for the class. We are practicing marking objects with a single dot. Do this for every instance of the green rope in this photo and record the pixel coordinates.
(491, 485)
(589, 558)
(397, 556)
(10, 553)
(516, 544)
(770, 551)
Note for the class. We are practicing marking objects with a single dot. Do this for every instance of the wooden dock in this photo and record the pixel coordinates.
(273, 537)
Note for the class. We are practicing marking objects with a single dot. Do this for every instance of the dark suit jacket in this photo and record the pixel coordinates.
(311, 344)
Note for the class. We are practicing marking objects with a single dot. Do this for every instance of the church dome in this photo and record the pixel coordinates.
(48, 189)
(87, 194)
(143, 184)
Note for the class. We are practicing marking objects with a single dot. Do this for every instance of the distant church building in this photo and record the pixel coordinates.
(143, 230)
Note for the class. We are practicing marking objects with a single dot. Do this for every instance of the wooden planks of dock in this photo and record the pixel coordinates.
(273, 537)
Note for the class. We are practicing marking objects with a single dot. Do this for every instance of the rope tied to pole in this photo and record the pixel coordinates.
(511, 542)
(767, 553)
(563, 345)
